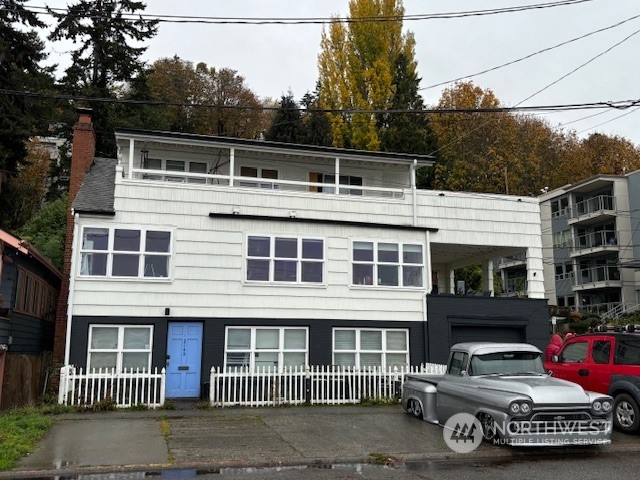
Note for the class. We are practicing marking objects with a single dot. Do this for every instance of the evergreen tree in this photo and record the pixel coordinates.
(316, 128)
(21, 50)
(287, 122)
(104, 58)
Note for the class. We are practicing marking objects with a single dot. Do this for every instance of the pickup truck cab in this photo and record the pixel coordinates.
(605, 362)
(506, 388)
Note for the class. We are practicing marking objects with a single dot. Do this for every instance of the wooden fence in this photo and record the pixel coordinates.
(123, 389)
(327, 385)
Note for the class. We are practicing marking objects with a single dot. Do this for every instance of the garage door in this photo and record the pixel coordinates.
(468, 333)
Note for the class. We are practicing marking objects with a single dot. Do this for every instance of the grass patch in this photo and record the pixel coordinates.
(382, 459)
(20, 430)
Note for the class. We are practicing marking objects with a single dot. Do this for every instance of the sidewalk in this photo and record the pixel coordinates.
(243, 437)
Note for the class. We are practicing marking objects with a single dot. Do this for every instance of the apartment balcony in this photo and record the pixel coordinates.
(595, 243)
(517, 260)
(597, 277)
(593, 210)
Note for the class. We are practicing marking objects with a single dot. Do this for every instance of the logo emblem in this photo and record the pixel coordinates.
(462, 433)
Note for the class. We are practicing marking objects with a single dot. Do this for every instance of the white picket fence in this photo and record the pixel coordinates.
(124, 389)
(327, 385)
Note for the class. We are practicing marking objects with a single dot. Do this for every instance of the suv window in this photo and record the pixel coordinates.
(601, 351)
(574, 353)
(627, 351)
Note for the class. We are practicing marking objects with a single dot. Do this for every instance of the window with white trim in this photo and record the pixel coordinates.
(125, 253)
(369, 347)
(285, 259)
(387, 264)
(254, 172)
(120, 347)
(266, 347)
(329, 178)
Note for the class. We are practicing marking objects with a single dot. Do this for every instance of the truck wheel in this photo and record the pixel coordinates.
(416, 409)
(626, 415)
(489, 430)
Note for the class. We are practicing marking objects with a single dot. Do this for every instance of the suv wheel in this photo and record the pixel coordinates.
(626, 415)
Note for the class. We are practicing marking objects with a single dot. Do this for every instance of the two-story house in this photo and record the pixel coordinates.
(194, 251)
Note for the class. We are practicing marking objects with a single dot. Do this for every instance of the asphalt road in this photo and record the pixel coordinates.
(295, 442)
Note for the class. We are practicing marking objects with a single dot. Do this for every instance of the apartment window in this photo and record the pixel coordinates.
(387, 264)
(266, 347)
(362, 348)
(285, 259)
(258, 173)
(125, 253)
(120, 347)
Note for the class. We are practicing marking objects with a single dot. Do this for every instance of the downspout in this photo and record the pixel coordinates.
(232, 165)
(72, 282)
(428, 288)
(413, 192)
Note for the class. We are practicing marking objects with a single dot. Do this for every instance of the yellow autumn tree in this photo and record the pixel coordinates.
(356, 65)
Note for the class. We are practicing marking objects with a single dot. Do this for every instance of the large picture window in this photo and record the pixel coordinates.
(120, 347)
(387, 264)
(266, 347)
(125, 253)
(285, 259)
(363, 348)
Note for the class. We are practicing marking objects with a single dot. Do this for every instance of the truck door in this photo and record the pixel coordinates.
(571, 360)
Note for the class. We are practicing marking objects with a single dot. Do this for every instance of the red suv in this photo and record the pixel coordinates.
(606, 363)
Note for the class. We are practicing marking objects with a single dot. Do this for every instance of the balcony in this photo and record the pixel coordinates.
(598, 277)
(593, 210)
(594, 243)
(517, 260)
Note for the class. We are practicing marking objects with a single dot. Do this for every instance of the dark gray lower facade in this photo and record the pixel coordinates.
(452, 319)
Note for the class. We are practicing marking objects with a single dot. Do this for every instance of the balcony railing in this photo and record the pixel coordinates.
(593, 205)
(603, 238)
(601, 274)
(217, 180)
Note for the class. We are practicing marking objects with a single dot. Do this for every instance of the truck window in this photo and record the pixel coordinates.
(574, 352)
(627, 351)
(601, 351)
(457, 363)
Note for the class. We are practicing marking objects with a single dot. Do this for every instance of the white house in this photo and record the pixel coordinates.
(194, 251)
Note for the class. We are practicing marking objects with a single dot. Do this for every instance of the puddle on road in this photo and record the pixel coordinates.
(227, 472)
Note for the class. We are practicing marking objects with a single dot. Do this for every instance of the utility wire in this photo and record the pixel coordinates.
(619, 105)
(526, 57)
(310, 20)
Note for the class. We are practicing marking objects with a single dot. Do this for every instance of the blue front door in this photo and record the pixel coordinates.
(184, 354)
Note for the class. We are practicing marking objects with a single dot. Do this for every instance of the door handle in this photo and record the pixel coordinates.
(583, 372)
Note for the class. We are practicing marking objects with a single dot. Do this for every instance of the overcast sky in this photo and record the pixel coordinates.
(274, 59)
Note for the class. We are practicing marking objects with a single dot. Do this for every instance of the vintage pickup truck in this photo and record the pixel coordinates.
(505, 387)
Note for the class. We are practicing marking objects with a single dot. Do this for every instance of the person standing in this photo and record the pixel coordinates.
(553, 348)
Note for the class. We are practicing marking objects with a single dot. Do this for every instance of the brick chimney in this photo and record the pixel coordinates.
(83, 150)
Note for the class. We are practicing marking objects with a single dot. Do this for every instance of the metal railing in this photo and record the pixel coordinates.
(598, 274)
(593, 205)
(595, 239)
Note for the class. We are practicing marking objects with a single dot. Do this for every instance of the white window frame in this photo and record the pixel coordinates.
(375, 280)
(272, 259)
(358, 350)
(261, 180)
(119, 350)
(85, 252)
(253, 349)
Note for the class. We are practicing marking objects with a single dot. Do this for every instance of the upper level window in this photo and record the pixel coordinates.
(122, 252)
(120, 347)
(344, 180)
(285, 259)
(258, 173)
(175, 166)
(387, 264)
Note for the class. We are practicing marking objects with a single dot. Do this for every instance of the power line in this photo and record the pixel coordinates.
(618, 104)
(309, 20)
(526, 57)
